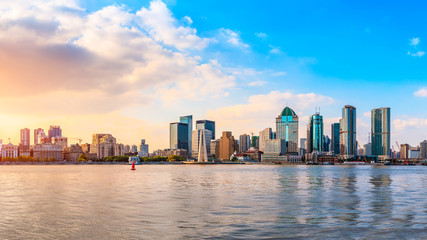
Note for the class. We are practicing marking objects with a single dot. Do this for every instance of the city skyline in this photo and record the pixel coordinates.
(178, 58)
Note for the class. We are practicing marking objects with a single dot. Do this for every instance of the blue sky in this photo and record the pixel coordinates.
(342, 52)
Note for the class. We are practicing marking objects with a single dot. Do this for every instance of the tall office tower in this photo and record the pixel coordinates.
(206, 124)
(315, 133)
(335, 138)
(196, 141)
(302, 146)
(178, 136)
(227, 146)
(380, 131)
(348, 131)
(143, 149)
(188, 120)
(203, 151)
(404, 151)
(214, 148)
(54, 131)
(25, 137)
(368, 149)
(255, 142)
(37, 132)
(423, 149)
(287, 129)
(326, 143)
(264, 135)
(244, 142)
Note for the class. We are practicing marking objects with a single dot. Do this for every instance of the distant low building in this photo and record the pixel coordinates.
(72, 153)
(275, 150)
(9, 150)
(169, 152)
(254, 154)
(62, 141)
(24, 150)
(47, 151)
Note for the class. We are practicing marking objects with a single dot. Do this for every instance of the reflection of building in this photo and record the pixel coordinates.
(196, 141)
(287, 129)
(9, 150)
(423, 149)
(206, 124)
(72, 153)
(178, 136)
(335, 138)
(227, 146)
(380, 131)
(47, 151)
(264, 135)
(348, 131)
(188, 120)
(25, 137)
(244, 142)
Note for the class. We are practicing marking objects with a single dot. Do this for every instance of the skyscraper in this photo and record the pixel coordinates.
(380, 131)
(206, 124)
(348, 131)
(188, 120)
(423, 149)
(203, 152)
(25, 137)
(264, 135)
(178, 136)
(335, 138)
(287, 129)
(196, 141)
(244, 142)
(38, 132)
(227, 146)
(315, 133)
(255, 142)
(54, 131)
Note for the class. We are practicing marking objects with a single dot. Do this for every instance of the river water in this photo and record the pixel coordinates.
(213, 201)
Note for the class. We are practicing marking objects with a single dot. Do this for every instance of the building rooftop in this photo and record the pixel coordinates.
(288, 112)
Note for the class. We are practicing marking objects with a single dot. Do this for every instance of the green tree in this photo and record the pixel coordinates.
(82, 158)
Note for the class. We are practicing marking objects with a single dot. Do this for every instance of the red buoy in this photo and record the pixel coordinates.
(133, 166)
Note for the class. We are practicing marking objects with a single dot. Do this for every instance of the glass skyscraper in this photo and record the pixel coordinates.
(335, 138)
(348, 131)
(315, 133)
(206, 124)
(178, 136)
(188, 120)
(380, 131)
(287, 129)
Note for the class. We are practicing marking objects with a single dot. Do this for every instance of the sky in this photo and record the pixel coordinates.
(129, 68)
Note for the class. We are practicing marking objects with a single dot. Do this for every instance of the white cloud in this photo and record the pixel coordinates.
(414, 41)
(158, 20)
(275, 50)
(278, 74)
(232, 38)
(261, 35)
(402, 124)
(257, 83)
(421, 93)
(416, 54)
(187, 20)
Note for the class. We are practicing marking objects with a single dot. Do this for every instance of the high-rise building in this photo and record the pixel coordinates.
(103, 145)
(404, 151)
(25, 137)
(196, 141)
(348, 131)
(302, 146)
(38, 132)
(275, 150)
(368, 148)
(335, 138)
(188, 120)
(54, 131)
(255, 142)
(214, 148)
(143, 149)
(178, 136)
(227, 146)
(202, 151)
(244, 142)
(287, 129)
(380, 131)
(326, 143)
(206, 124)
(315, 133)
(264, 135)
(423, 149)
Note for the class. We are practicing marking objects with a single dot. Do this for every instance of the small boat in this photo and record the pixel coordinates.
(387, 163)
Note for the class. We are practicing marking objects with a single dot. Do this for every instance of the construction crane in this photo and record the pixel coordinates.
(78, 139)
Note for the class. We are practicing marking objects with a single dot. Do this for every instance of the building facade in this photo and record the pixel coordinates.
(287, 129)
(103, 145)
(196, 140)
(315, 133)
(380, 131)
(169, 152)
(244, 142)
(264, 135)
(348, 146)
(54, 131)
(214, 147)
(188, 120)
(275, 150)
(25, 137)
(423, 149)
(143, 149)
(227, 146)
(335, 138)
(178, 136)
(9, 150)
(47, 151)
(72, 153)
(208, 125)
(61, 141)
(38, 132)
(255, 142)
